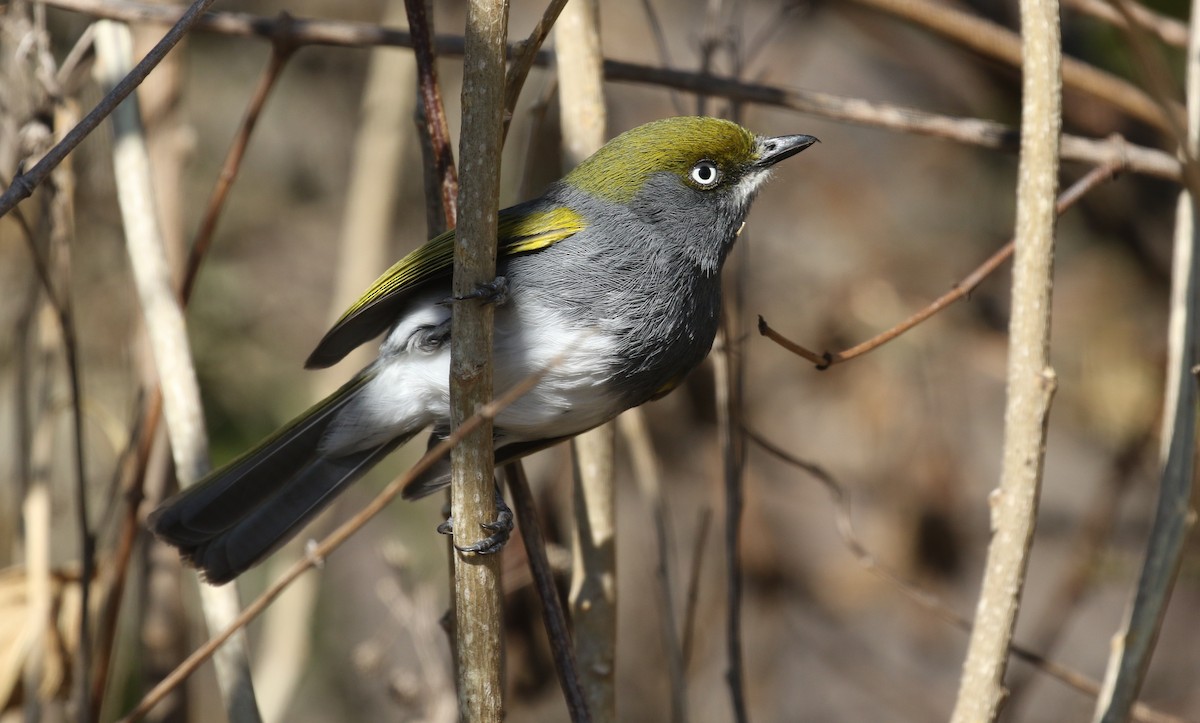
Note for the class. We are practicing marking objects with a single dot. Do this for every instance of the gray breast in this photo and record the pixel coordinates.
(647, 294)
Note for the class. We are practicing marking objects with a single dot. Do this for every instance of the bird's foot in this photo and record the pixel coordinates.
(491, 292)
(501, 529)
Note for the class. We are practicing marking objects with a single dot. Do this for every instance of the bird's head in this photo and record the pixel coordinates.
(698, 175)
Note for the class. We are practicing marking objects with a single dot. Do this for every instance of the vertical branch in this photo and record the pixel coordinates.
(593, 594)
(1031, 380)
(478, 629)
(167, 333)
(1174, 517)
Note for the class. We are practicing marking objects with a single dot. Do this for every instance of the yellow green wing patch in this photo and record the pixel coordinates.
(519, 231)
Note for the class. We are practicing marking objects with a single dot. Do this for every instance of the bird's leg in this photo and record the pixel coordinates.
(501, 529)
(491, 292)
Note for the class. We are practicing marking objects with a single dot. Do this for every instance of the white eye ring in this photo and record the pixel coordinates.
(705, 174)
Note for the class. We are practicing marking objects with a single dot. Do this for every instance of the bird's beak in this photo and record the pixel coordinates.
(774, 150)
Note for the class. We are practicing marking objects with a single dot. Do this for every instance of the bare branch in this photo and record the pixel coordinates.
(436, 137)
(478, 625)
(1031, 380)
(167, 333)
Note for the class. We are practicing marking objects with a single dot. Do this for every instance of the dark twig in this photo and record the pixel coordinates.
(1066, 200)
(733, 457)
(524, 56)
(969, 131)
(926, 600)
(553, 616)
(433, 112)
(23, 185)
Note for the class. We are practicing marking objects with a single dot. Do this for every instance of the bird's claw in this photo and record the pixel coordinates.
(501, 529)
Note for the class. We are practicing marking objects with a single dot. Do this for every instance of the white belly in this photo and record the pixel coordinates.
(410, 387)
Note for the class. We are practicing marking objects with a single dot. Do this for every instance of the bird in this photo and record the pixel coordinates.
(609, 284)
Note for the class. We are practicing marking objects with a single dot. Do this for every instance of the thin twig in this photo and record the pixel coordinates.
(931, 603)
(961, 290)
(553, 616)
(62, 224)
(733, 463)
(969, 131)
(524, 57)
(437, 128)
(23, 185)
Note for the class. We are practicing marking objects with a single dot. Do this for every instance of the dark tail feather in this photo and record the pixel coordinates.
(276, 520)
(239, 514)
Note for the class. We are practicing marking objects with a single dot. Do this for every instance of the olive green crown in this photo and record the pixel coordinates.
(618, 170)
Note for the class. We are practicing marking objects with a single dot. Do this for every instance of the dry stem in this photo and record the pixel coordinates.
(1031, 380)
(478, 624)
(167, 333)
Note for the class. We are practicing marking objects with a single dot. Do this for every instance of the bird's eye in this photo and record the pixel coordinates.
(705, 174)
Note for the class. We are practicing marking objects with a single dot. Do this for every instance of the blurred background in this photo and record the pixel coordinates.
(845, 241)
